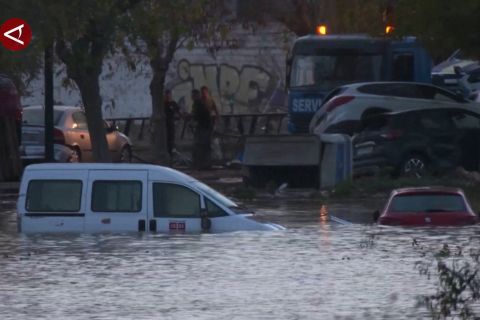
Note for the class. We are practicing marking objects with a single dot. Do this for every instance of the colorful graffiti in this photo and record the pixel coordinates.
(235, 90)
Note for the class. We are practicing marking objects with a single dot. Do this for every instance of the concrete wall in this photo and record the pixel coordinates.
(247, 76)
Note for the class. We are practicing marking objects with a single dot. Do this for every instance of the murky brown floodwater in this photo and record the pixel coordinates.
(314, 270)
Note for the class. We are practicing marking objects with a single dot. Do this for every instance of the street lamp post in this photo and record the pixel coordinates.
(48, 74)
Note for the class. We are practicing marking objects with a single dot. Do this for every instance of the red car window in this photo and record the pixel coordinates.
(427, 203)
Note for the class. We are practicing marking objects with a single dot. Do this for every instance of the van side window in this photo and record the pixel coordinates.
(171, 200)
(54, 195)
(117, 196)
(214, 210)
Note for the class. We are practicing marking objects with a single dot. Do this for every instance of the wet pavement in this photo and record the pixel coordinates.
(317, 269)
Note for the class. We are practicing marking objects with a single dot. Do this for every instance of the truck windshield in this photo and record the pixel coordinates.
(327, 72)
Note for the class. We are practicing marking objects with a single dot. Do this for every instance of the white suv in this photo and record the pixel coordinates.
(344, 107)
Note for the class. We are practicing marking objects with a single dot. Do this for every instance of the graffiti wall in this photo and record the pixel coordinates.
(236, 90)
(245, 79)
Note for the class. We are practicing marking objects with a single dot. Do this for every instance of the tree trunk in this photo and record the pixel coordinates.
(158, 121)
(160, 63)
(10, 165)
(92, 101)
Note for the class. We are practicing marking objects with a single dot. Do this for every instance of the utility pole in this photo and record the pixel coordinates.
(48, 74)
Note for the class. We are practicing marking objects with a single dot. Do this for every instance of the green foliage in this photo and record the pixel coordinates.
(458, 282)
(359, 16)
(340, 16)
(152, 25)
(21, 66)
(442, 25)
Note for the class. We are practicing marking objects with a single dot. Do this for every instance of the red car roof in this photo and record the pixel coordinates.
(431, 189)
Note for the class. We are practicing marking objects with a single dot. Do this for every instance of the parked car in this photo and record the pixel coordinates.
(10, 101)
(427, 206)
(344, 107)
(71, 137)
(102, 197)
(415, 141)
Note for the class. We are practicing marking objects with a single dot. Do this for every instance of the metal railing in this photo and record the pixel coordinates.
(234, 125)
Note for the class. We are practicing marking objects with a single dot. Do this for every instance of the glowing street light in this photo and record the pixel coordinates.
(389, 29)
(322, 29)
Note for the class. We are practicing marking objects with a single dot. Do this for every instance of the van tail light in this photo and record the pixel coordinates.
(392, 134)
(338, 101)
(58, 136)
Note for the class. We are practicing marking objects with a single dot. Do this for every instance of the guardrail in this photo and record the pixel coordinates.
(234, 125)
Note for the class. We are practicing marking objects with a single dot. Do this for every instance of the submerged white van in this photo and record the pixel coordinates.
(94, 197)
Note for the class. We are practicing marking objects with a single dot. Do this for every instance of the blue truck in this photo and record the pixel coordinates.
(317, 64)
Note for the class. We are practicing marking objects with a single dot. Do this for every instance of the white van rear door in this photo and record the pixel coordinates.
(116, 200)
(53, 201)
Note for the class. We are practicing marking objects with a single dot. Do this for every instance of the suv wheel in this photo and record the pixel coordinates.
(414, 165)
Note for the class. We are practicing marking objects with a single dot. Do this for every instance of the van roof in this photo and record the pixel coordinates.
(154, 171)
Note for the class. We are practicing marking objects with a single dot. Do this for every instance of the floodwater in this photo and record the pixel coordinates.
(317, 269)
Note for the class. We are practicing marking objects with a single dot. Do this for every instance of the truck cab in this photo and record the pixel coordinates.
(318, 64)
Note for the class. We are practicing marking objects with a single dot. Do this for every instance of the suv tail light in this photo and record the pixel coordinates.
(338, 101)
(392, 134)
(58, 136)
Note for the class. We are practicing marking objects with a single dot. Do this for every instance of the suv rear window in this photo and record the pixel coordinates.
(428, 203)
(392, 90)
(406, 90)
(333, 93)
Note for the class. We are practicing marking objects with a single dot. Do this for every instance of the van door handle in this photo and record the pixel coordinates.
(141, 225)
(153, 225)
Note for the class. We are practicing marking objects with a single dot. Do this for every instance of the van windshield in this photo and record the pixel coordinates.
(215, 195)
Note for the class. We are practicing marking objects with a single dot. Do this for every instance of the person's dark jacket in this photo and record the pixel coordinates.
(171, 111)
(201, 115)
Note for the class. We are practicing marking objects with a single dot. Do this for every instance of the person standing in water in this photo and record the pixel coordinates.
(210, 104)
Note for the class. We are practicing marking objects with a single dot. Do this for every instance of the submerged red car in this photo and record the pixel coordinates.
(427, 206)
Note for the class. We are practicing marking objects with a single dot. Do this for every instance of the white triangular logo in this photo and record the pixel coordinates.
(19, 29)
